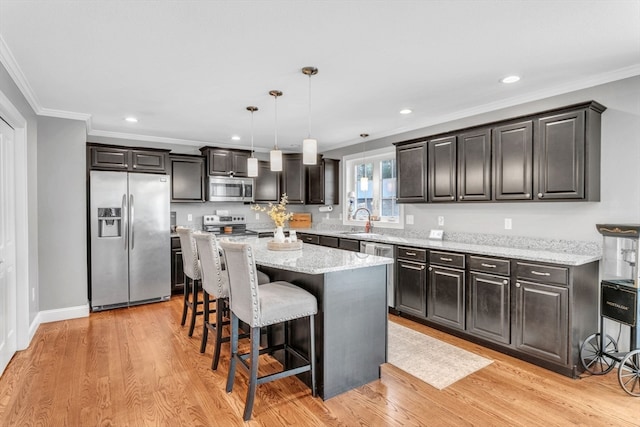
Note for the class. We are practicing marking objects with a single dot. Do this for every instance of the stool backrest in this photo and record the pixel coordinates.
(244, 292)
(215, 280)
(190, 262)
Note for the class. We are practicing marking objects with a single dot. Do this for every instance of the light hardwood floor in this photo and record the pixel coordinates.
(137, 367)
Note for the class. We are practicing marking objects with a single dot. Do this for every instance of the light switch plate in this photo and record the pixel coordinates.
(436, 234)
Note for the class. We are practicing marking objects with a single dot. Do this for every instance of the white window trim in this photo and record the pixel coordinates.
(349, 185)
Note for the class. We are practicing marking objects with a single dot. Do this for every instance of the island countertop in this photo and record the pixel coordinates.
(311, 259)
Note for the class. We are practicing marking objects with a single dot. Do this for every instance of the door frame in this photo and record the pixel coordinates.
(12, 116)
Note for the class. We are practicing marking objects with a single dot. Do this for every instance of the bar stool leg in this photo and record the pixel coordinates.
(253, 373)
(234, 353)
(220, 308)
(185, 304)
(194, 310)
(205, 327)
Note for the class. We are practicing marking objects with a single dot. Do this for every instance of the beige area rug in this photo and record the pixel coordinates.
(435, 362)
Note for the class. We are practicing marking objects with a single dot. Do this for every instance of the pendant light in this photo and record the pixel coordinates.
(275, 156)
(364, 181)
(252, 162)
(309, 145)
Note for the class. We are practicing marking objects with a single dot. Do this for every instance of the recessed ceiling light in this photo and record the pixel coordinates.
(405, 111)
(131, 120)
(235, 138)
(510, 79)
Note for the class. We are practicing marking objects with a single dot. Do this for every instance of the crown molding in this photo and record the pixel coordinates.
(152, 138)
(61, 114)
(11, 65)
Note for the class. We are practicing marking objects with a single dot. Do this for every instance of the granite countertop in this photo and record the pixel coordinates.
(560, 256)
(311, 259)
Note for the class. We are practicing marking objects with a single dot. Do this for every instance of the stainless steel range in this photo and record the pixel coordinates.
(227, 224)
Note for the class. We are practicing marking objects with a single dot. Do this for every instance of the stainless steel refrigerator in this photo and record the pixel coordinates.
(130, 242)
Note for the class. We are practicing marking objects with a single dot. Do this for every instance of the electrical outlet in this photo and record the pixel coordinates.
(507, 224)
(189, 217)
(441, 221)
(409, 219)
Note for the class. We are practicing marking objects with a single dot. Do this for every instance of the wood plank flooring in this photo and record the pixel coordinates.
(138, 367)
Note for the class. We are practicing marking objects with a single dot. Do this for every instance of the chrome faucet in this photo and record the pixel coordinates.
(369, 226)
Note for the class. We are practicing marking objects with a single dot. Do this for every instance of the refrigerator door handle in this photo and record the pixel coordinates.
(125, 228)
(132, 222)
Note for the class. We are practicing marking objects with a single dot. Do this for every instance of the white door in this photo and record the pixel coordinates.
(7, 246)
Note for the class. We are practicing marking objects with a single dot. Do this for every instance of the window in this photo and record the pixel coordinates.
(378, 195)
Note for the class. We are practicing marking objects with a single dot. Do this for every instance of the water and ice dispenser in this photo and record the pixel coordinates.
(109, 222)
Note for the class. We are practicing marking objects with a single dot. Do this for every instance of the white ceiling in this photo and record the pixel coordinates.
(188, 69)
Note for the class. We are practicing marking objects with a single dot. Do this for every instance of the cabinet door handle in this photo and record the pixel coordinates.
(412, 267)
(461, 197)
(517, 285)
(446, 259)
(505, 281)
(540, 195)
(538, 273)
(488, 265)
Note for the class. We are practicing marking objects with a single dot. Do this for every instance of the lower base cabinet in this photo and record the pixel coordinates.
(489, 307)
(446, 297)
(411, 279)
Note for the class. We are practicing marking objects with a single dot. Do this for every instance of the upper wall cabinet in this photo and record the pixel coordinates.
(267, 184)
(226, 162)
(322, 183)
(441, 177)
(567, 154)
(513, 161)
(411, 162)
(187, 178)
(117, 158)
(553, 155)
(474, 165)
(293, 178)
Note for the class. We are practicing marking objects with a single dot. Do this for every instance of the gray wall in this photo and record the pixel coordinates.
(620, 178)
(62, 213)
(11, 91)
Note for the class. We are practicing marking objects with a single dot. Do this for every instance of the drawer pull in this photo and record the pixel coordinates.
(446, 259)
(410, 253)
(412, 267)
(504, 282)
(538, 273)
(488, 265)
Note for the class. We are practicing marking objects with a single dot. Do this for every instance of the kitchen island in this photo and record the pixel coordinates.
(351, 324)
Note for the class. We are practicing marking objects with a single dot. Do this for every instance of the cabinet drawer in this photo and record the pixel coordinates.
(447, 259)
(490, 265)
(350, 245)
(543, 273)
(314, 239)
(329, 241)
(412, 253)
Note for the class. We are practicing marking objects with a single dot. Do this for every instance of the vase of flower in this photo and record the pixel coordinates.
(278, 235)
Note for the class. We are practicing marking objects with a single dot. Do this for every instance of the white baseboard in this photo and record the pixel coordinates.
(57, 315)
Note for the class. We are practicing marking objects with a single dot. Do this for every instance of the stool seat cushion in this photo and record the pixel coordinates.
(280, 301)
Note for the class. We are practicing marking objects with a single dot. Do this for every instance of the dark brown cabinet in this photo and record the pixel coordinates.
(322, 181)
(474, 165)
(293, 178)
(267, 184)
(442, 169)
(513, 161)
(177, 272)
(187, 178)
(489, 311)
(411, 163)
(349, 245)
(567, 155)
(313, 239)
(552, 155)
(329, 241)
(226, 162)
(446, 289)
(108, 157)
(411, 281)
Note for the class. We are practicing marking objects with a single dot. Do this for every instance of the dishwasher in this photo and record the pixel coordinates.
(383, 250)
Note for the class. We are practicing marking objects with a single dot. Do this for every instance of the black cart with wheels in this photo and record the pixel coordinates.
(619, 293)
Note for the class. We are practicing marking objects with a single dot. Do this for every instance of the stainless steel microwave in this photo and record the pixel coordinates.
(230, 189)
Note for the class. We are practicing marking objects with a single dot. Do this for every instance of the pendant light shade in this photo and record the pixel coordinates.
(252, 162)
(275, 156)
(309, 145)
(364, 181)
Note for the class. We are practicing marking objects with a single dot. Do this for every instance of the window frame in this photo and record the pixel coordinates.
(348, 163)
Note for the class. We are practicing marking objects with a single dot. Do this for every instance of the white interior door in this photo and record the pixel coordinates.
(7, 246)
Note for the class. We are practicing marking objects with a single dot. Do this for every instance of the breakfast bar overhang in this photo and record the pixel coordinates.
(351, 324)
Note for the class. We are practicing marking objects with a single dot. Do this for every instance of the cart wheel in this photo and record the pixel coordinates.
(593, 358)
(629, 373)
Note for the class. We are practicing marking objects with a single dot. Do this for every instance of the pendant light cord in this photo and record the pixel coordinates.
(251, 133)
(309, 128)
(276, 115)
